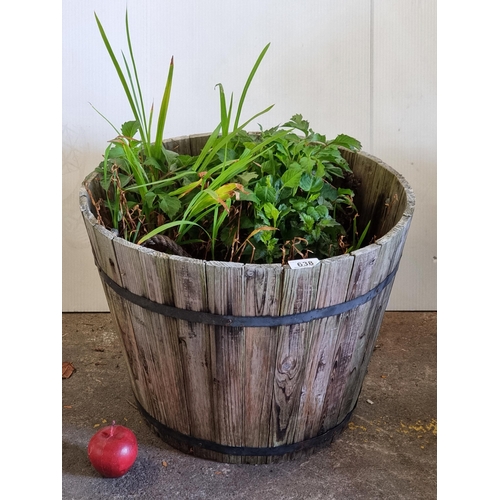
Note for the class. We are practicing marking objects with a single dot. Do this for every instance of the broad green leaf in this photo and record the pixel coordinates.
(149, 198)
(249, 197)
(170, 156)
(317, 185)
(307, 164)
(151, 162)
(330, 154)
(299, 204)
(317, 138)
(246, 177)
(322, 211)
(291, 177)
(269, 167)
(337, 171)
(311, 211)
(262, 216)
(328, 223)
(347, 142)
(271, 211)
(169, 204)
(320, 168)
(129, 129)
(328, 192)
(345, 192)
(308, 221)
(306, 182)
(265, 193)
(299, 123)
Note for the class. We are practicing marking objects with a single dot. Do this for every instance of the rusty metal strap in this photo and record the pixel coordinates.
(246, 321)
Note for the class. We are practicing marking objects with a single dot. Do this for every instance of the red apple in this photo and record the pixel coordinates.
(112, 450)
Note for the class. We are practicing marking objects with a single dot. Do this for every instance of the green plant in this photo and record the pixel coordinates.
(268, 196)
(292, 202)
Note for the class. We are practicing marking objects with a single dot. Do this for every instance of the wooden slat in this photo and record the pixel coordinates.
(225, 295)
(197, 142)
(349, 331)
(156, 336)
(189, 291)
(391, 248)
(298, 294)
(262, 291)
(332, 289)
(381, 196)
(180, 145)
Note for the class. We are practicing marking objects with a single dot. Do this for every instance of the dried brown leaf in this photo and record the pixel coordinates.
(67, 369)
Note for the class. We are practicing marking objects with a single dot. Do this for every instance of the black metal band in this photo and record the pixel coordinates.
(169, 435)
(242, 321)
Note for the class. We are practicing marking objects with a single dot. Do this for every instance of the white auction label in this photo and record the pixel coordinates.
(302, 263)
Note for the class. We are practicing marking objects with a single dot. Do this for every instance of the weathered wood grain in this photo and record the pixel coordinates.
(391, 248)
(197, 141)
(180, 145)
(196, 348)
(262, 293)
(155, 335)
(300, 287)
(349, 332)
(381, 197)
(332, 290)
(225, 295)
(138, 322)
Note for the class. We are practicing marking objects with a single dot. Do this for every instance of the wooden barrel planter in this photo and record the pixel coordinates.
(253, 363)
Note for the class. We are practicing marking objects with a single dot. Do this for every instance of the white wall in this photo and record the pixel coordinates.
(366, 68)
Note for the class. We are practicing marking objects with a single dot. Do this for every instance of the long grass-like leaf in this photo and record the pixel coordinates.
(141, 104)
(162, 183)
(215, 143)
(166, 226)
(118, 69)
(148, 134)
(97, 111)
(162, 116)
(207, 147)
(224, 116)
(142, 124)
(362, 237)
(247, 84)
(239, 166)
(138, 172)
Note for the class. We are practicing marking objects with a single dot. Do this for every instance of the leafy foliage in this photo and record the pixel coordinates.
(293, 198)
(279, 194)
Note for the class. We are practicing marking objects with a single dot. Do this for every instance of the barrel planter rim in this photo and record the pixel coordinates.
(365, 289)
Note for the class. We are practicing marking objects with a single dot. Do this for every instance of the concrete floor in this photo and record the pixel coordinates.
(387, 452)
